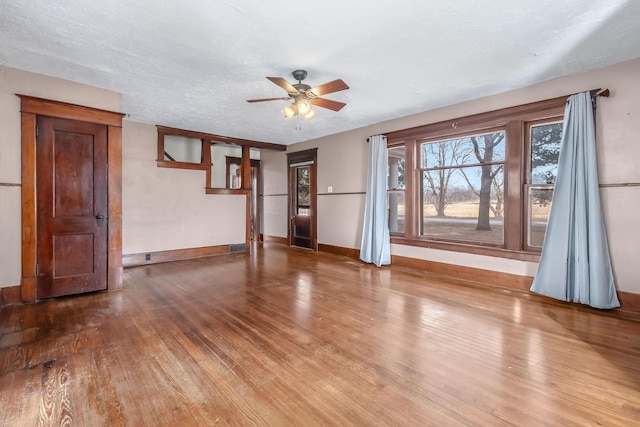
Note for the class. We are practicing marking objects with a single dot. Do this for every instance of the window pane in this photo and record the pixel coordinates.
(539, 208)
(464, 203)
(545, 148)
(468, 150)
(304, 211)
(396, 165)
(182, 149)
(396, 211)
(303, 186)
(235, 176)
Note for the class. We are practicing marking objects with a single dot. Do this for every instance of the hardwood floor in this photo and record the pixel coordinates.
(290, 337)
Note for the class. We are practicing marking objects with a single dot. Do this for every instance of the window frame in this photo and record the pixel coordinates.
(398, 190)
(514, 121)
(421, 169)
(207, 140)
(527, 180)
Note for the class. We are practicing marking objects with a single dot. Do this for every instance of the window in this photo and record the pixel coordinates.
(179, 148)
(480, 184)
(544, 149)
(463, 188)
(303, 190)
(395, 188)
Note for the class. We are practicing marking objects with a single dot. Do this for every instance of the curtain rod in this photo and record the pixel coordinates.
(593, 92)
(600, 92)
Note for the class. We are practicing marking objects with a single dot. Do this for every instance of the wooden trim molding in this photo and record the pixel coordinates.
(629, 301)
(114, 161)
(543, 109)
(132, 260)
(29, 212)
(450, 270)
(182, 165)
(63, 110)
(227, 191)
(276, 239)
(10, 295)
(346, 193)
(30, 108)
(507, 280)
(466, 248)
(339, 250)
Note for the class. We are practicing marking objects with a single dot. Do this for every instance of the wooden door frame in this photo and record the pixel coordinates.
(297, 157)
(30, 108)
(253, 163)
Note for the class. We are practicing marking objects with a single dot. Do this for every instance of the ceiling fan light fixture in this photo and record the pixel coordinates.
(310, 115)
(304, 106)
(290, 111)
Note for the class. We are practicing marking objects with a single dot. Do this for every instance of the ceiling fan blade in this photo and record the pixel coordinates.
(284, 84)
(334, 86)
(327, 103)
(267, 99)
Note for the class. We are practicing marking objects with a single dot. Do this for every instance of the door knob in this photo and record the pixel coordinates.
(99, 218)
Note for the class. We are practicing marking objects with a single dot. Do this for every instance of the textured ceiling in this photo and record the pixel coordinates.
(192, 64)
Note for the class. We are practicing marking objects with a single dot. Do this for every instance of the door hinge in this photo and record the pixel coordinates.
(37, 269)
(36, 131)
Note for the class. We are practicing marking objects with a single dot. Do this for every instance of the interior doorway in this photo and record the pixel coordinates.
(71, 173)
(234, 181)
(30, 110)
(302, 199)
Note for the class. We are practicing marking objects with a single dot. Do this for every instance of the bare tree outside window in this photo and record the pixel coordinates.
(463, 188)
(483, 148)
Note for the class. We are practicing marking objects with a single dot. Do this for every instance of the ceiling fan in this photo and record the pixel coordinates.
(304, 96)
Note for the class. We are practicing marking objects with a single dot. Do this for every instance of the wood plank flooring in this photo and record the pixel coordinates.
(286, 336)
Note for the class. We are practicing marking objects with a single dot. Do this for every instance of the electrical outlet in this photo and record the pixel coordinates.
(147, 257)
(330, 189)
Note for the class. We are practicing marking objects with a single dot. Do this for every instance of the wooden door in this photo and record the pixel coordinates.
(302, 199)
(71, 176)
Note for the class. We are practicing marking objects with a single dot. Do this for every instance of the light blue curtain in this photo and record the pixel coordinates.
(575, 264)
(376, 245)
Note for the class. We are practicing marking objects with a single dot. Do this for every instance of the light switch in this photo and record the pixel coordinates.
(330, 189)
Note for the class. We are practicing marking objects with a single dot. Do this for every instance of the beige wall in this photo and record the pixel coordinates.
(342, 164)
(13, 82)
(164, 209)
(273, 165)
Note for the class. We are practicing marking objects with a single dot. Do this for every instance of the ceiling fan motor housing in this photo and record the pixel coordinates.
(299, 75)
(301, 87)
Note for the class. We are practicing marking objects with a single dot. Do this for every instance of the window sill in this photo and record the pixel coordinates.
(210, 190)
(182, 165)
(468, 248)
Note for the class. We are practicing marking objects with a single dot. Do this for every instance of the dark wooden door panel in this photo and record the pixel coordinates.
(302, 231)
(73, 175)
(302, 198)
(72, 207)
